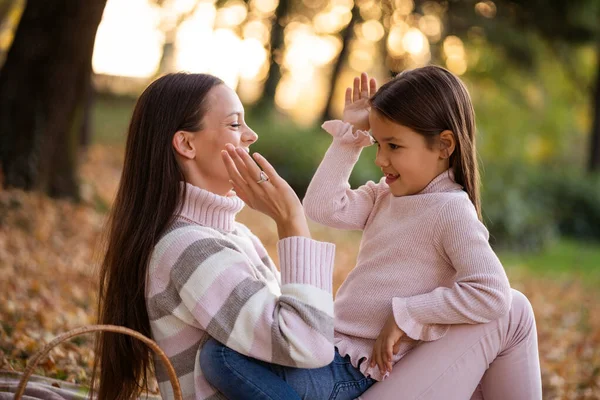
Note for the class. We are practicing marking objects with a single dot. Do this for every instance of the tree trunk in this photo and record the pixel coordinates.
(43, 93)
(268, 97)
(337, 68)
(594, 159)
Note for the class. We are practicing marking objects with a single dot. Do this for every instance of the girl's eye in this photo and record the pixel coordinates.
(393, 146)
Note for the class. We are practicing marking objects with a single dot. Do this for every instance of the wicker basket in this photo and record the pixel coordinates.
(96, 328)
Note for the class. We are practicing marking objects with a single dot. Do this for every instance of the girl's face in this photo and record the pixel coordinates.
(223, 123)
(408, 164)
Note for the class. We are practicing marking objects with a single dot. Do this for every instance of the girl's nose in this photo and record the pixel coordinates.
(381, 161)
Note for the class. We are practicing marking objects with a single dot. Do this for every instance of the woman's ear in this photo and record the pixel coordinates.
(447, 144)
(183, 144)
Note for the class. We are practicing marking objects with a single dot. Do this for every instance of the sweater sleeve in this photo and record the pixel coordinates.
(329, 199)
(217, 284)
(261, 251)
(481, 291)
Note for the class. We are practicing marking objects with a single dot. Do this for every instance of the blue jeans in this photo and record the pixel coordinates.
(240, 377)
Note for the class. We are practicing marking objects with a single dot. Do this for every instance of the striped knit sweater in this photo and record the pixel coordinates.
(209, 276)
(425, 258)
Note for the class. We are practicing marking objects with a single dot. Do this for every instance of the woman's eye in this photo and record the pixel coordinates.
(236, 125)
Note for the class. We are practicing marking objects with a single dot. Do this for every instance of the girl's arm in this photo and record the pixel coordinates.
(329, 199)
(217, 283)
(481, 291)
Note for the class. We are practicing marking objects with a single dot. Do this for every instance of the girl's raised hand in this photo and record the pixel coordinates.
(386, 345)
(356, 108)
(264, 191)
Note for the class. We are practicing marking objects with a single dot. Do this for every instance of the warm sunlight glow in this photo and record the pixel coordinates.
(395, 43)
(257, 30)
(453, 47)
(194, 40)
(254, 55)
(414, 42)
(360, 60)
(455, 55)
(302, 101)
(486, 9)
(370, 10)
(232, 15)
(431, 26)
(372, 30)
(128, 46)
(225, 56)
(265, 6)
(404, 7)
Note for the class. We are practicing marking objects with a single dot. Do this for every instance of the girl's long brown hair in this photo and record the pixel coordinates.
(430, 100)
(147, 198)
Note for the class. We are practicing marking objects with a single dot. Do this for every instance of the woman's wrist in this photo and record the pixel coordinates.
(293, 226)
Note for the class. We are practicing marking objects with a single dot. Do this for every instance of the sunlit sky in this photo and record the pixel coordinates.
(232, 42)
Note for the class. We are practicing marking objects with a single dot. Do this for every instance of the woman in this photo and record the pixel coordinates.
(179, 268)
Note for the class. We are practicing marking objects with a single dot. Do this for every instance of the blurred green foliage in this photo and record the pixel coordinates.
(533, 129)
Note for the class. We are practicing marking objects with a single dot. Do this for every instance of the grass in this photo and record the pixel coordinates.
(566, 259)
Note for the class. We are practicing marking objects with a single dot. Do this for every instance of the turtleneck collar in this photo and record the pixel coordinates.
(210, 209)
(444, 182)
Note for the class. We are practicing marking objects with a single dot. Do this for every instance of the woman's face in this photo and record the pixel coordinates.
(223, 123)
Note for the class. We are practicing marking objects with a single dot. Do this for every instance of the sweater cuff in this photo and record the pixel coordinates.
(411, 327)
(306, 261)
(342, 133)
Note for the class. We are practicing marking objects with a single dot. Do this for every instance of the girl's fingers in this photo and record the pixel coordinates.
(397, 346)
(389, 354)
(364, 86)
(356, 92)
(348, 97)
(373, 87)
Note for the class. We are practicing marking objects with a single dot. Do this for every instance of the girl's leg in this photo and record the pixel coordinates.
(502, 354)
(239, 377)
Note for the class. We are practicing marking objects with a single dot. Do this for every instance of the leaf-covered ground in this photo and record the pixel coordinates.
(49, 251)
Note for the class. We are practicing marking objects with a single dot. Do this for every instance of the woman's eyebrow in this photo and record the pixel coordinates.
(234, 113)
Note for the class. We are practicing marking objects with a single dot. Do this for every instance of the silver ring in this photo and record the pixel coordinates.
(263, 177)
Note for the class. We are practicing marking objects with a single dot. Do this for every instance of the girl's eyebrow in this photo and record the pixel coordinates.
(390, 139)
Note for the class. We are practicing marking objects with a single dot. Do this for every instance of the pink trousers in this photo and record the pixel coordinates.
(494, 361)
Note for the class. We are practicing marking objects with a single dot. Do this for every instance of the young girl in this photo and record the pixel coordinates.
(428, 306)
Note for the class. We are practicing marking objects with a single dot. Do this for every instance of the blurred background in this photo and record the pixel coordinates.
(70, 72)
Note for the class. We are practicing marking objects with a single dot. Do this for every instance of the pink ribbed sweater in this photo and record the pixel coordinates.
(424, 258)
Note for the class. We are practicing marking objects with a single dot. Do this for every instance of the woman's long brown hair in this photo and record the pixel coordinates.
(430, 100)
(146, 201)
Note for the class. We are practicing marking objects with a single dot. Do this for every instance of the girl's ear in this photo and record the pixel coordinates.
(447, 144)
(183, 144)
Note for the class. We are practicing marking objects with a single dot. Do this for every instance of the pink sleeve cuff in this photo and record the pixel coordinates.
(342, 132)
(411, 327)
(306, 261)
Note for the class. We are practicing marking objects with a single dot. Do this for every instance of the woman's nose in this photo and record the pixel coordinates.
(249, 136)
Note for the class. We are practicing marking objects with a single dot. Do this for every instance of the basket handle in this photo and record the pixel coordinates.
(96, 328)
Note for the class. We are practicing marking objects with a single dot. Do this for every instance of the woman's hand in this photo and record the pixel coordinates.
(356, 108)
(273, 197)
(386, 345)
